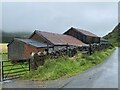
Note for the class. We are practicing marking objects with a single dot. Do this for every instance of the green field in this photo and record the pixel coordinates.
(3, 47)
(3, 51)
(4, 56)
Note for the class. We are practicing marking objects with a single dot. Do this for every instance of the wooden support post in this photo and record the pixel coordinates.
(47, 49)
(90, 49)
(67, 49)
(29, 64)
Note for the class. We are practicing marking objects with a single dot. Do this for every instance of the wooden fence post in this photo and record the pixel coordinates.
(2, 74)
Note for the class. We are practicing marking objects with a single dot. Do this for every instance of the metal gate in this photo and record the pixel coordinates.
(11, 70)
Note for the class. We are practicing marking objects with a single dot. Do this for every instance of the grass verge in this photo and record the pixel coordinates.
(66, 66)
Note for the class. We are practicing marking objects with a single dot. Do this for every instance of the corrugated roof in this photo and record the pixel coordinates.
(32, 42)
(85, 32)
(59, 39)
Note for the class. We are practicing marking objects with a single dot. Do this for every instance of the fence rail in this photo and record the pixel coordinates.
(11, 70)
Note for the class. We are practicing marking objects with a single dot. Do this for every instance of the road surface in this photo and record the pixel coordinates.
(104, 75)
(101, 76)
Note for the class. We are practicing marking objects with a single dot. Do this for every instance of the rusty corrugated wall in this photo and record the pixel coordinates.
(56, 39)
(18, 50)
(29, 49)
(15, 50)
(39, 38)
(84, 38)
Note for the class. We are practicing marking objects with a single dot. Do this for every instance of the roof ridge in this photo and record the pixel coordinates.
(81, 29)
(48, 32)
(92, 34)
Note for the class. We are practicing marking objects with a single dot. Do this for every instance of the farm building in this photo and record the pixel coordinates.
(85, 36)
(40, 41)
(104, 44)
(59, 41)
(103, 41)
(20, 49)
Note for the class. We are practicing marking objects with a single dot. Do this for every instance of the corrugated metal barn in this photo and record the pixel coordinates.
(85, 36)
(56, 39)
(20, 49)
(40, 41)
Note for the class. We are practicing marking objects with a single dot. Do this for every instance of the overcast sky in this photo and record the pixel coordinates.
(97, 17)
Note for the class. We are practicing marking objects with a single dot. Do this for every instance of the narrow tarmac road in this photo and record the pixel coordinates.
(104, 75)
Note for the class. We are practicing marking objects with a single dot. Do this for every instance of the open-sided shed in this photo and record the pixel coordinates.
(104, 41)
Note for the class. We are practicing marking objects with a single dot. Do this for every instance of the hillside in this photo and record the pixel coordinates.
(114, 36)
(8, 36)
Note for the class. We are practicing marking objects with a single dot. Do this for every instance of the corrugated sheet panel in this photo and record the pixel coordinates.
(33, 42)
(15, 50)
(87, 33)
(59, 39)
